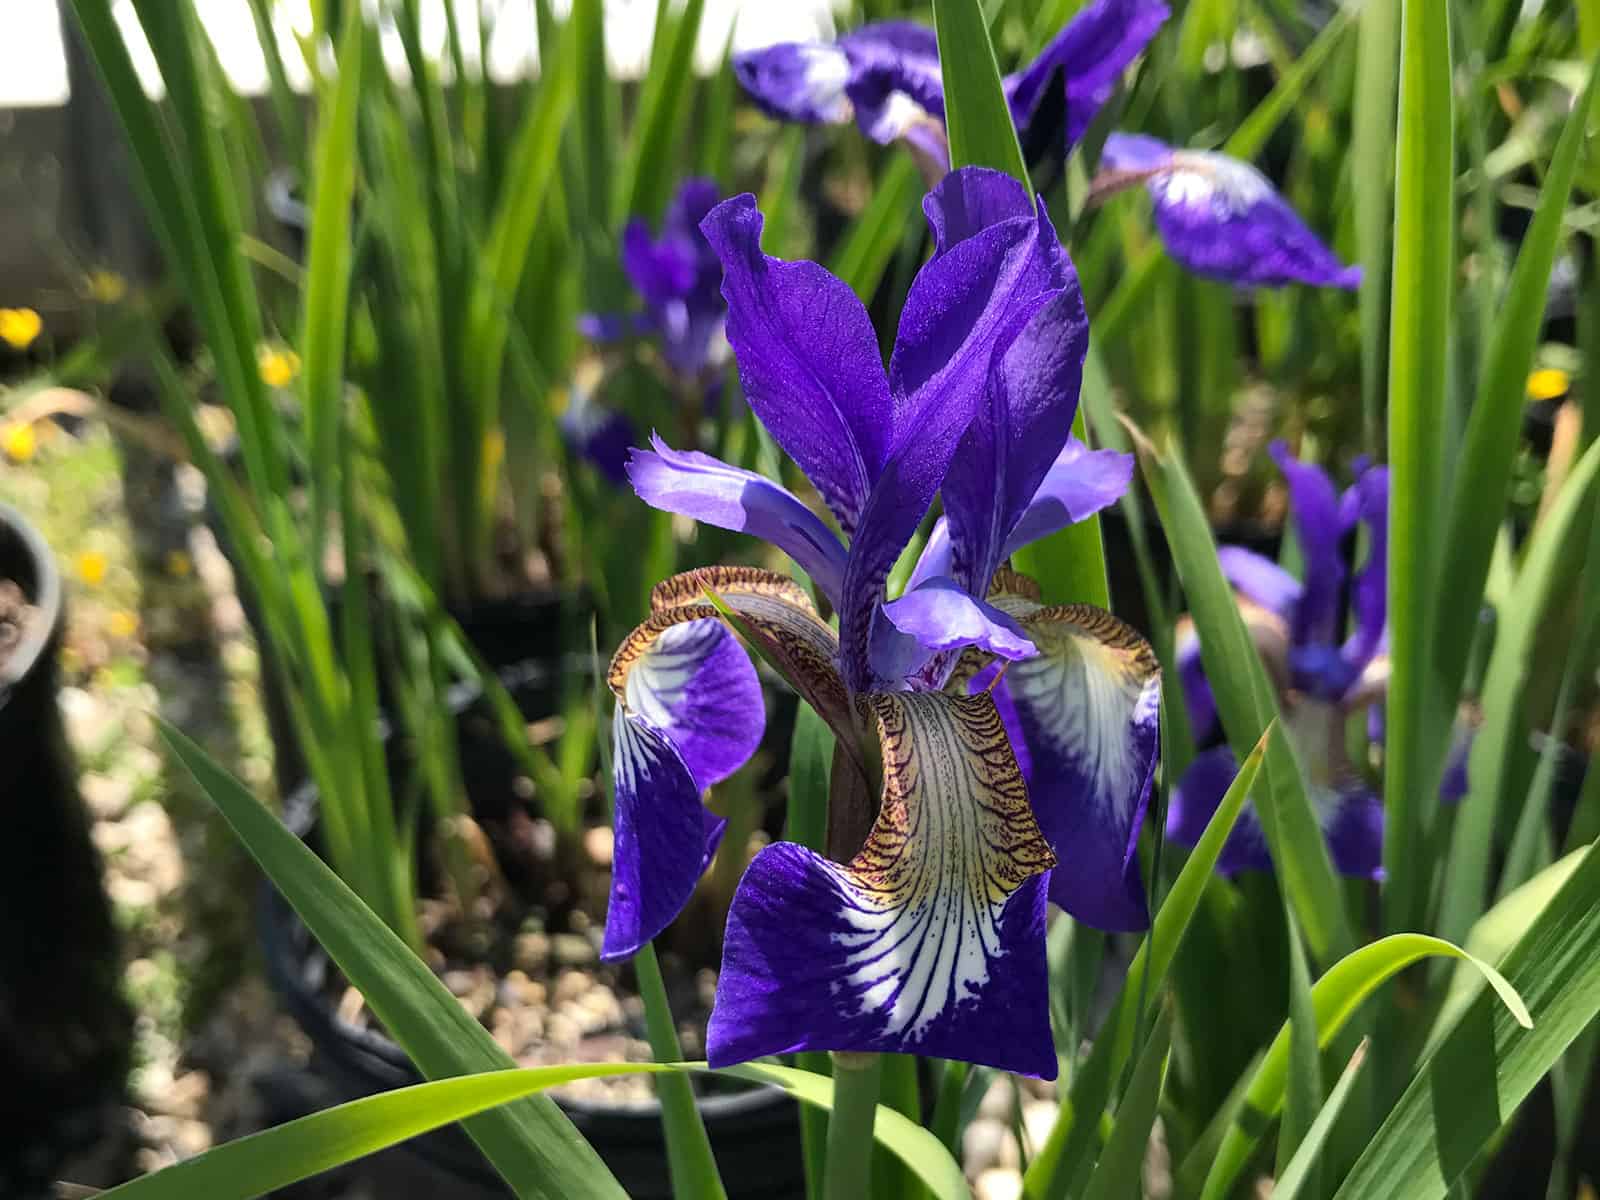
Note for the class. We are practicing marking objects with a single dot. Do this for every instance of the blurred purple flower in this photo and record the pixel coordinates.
(1220, 217)
(886, 75)
(677, 275)
(926, 933)
(599, 435)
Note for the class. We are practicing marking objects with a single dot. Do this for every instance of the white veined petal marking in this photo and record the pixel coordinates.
(654, 689)
(1199, 177)
(954, 839)
(1093, 683)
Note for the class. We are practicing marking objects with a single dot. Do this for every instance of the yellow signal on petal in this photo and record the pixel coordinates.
(1550, 383)
(20, 327)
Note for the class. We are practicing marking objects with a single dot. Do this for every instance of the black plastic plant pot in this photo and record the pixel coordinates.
(754, 1132)
(64, 1028)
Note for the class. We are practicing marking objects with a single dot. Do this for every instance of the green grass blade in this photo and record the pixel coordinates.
(1300, 1171)
(1483, 475)
(1251, 136)
(328, 267)
(1066, 1153)
(1372, 181)
(976, 115)
(1474, 1082)
(1303, 1096)
(864, 255)
(1247, 703)
(689, 1158)
(1120, 1171)
(532, 1144)
(1335, 998)
(1547, 569)
(1419, 330)
(296, 1150)
(647, 173)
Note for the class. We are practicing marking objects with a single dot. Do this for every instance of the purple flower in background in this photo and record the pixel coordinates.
(677, 275)
(1220, 217)
(599, 435)
(923, 930)
(886, 75)
(1322, 676)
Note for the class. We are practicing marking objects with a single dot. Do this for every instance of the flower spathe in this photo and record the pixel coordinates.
(886, 75)
(1220, 217)
(923, 929)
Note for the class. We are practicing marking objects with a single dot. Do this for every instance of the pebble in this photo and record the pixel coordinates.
(998, 1183)
(1038, 1119)
(598, 844)
(983, 1144)
(570, 985)
(532, 952)
(572, 950)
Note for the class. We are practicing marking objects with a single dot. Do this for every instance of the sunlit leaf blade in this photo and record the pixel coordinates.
(1335, 998)
(1247, 703)
(1483, 474)
(1474, 1082)
(1547, 565)
(647, 171)
(1419, 330)
(975, 111)
(1372, 187)
(1303, 1095)
(288, 1153)
(531, 1143)
(1121, 1166)
(1298, 1173)
(1065, 1154)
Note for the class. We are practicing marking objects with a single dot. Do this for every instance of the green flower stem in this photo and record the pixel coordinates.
(855, 1104)
(689, 1158)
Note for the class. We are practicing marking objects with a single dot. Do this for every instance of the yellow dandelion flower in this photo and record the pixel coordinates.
(122, 624)
(278, 365)
(179, 564)
(19, 442)
(1551, 383)
(19, 327)
(105, 287)
(92, 568)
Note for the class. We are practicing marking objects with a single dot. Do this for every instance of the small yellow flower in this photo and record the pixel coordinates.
(179, 564)
(92, 568)
(19, 327)
(105, 287)
(1551, 383)
(122, 624)
(278, 365)
(19, 442)
(494, 449)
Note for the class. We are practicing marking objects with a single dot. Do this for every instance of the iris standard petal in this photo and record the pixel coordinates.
(1352, 820)
(808, 360)
(1079, 484)
(1221, 218)
(708, 489)
(895, 81)
(689, 713)
(930, 941)
(659, 271)
(1260, 579)
(797, 81)
(939, 616)
(1089, 705)
(1088, 56)
(1314, 505)
(1369, 589)
(1194, 802)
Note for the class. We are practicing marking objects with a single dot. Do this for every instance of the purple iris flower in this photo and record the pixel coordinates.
(886, 75)
(1220, 217)
(923, 930)
(601, 436)
(679, 278)
(1322, 677)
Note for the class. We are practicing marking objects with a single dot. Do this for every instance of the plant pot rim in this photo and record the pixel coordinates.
(376, 1054)
(46, 597)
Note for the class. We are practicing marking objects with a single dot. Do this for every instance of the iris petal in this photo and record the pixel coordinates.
(797, 81)
(808, 360)
(1194, 801)
(1315, 506)
(938, 616)
(1221, 218)
(1089, 706)
(1078, 484)
(708, 489)
(930, 940)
